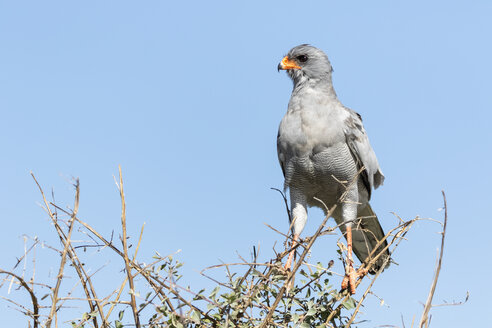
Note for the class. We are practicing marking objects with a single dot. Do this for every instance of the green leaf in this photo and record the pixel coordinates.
(349, 303)
(120, 315)
(214, 292)
(163, 310)
(311, 312)
(195, 316)
(174, 320)
(118, 324)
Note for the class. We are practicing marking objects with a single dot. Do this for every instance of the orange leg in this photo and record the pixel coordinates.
(350, 273)
(288, 264)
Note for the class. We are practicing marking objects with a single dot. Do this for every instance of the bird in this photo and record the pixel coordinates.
(325, 154)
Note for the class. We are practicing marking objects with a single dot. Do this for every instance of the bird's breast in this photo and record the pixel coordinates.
(309, 130)
(313, 149)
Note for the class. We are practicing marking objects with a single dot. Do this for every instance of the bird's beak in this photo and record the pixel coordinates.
(287, 63)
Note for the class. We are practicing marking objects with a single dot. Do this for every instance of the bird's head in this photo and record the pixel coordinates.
(306, 62)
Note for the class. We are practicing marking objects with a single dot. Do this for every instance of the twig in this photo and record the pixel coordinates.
(34, 300)
(84, 278)
(425, 314)
(453, 303)
(66, 247)
(285, 202)
(116, 301)
(125, 252)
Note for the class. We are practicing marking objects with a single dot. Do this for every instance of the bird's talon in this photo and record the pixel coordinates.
(362, 272)
(350, 279)
(345, 282)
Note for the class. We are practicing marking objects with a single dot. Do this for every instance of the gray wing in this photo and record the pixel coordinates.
(361, 149)
(280, 154)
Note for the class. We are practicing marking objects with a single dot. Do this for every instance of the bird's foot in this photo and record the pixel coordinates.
(351, 276)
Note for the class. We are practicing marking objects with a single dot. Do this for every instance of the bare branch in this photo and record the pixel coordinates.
(125, 252)
(424, 320)
(34, 300)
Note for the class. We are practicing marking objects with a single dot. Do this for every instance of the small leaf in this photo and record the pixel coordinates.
(349, 303)
(163, 310)
(214, 292)
(311, 312)
(195, 316)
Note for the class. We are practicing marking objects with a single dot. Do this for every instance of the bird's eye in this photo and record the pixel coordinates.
(302, 58)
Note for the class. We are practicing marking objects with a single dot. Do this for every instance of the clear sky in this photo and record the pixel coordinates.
(187, 98)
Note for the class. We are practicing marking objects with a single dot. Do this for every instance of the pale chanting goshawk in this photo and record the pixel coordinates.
(322, 146)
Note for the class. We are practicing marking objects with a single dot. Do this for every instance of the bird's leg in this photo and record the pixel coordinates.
(350, 273)
(288, 264)
(349, 214)
(299, 217)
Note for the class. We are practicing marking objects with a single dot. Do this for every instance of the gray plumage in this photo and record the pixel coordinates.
(322, 144)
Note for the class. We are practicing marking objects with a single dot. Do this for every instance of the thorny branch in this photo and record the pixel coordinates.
(424, 320)
(260, 294)
(34, 300)
(125, 253)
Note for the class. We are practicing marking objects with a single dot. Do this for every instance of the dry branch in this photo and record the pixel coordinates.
(34, 300)
(125, 253)
(254, 293)
(424, 320)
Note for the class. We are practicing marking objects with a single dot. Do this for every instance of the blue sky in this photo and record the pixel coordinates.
(187, 98)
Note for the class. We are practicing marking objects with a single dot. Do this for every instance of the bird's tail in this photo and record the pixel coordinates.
(366, 233)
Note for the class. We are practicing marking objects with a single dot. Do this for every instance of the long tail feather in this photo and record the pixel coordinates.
(366, 233)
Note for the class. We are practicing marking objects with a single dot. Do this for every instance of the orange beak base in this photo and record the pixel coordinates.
(288, 63)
